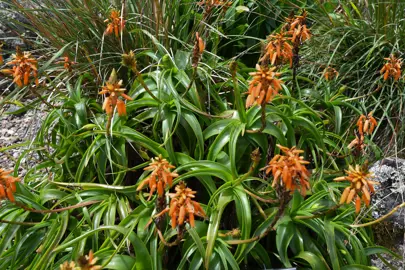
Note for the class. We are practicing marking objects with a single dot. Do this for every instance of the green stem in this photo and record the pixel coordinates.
(238, 100)
(139, 76)
(379, 219)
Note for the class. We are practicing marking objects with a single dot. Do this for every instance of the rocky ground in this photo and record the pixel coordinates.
(390, 173)
(18, 129)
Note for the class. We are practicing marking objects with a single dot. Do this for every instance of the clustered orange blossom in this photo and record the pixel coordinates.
(182, 207)
(160, 177)
(115, 24)
(114, 91)
(298, 29)
(365, 125)
(24, 66)
(263, 87)
(330, 73)
(278, 50)
(392, 68)
(67, 63)
(7, 185)
(209, 4)
(198, 49)
(288, 170)
(361, 187)
(87, 262)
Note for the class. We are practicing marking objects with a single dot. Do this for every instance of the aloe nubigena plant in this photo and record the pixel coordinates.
(158, 151)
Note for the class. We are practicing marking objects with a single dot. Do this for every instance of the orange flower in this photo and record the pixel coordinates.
(67, 64)
(129, 60)
(24, 66)
(361, 187)
(330, 73)
(114, 91)
(263, 87)
(366, 124)
(278, 50)
(289, 170)
(297, 28)
(209, 4)
(160, 177)
(88, 262)
(68, 266)
(182, 207)
(199, 47)
(7, 185)
(392, 68)
(115, 24)
(357, 143)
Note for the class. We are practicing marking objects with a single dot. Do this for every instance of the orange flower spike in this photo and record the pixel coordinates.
(297, 28)
(182, 207)
(330, 73)
(67, 266)
(160, 177)
(67, 63)
(289, 170)
(263, 87)
(115, 22)
(392, 68)
(366, 124)
(278, 50)
(7, 185)
(360, 184)
(24, 66)
(113, 88)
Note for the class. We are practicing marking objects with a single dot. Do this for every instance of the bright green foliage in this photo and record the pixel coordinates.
(195, 117)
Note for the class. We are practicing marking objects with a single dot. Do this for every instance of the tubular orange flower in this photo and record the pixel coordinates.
(198, 49)
(298, 29)
(7, 185)
(209, 4)
(24, 66)
(366, 124)
(263, 87)
(88, 262)
(68, 266)
(392, 68)
(67, 64)
(278, 50)
(357, 143)
(330, 73)
(182, 208)
(115, 24)
(160, 177)
(361, 187)
(289, 170)
(114, 91)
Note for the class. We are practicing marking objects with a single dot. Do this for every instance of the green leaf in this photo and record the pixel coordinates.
(379, 249)
(121, 262)
(313, 260)
(359, 267)
(329, 234)
(285, 233)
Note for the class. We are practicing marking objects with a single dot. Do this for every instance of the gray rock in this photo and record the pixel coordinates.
(390, 173)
